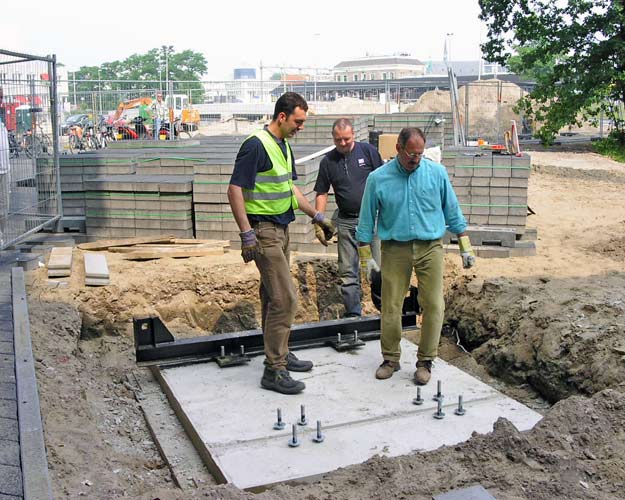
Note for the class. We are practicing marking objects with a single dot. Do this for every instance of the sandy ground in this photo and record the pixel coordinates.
(548, 330)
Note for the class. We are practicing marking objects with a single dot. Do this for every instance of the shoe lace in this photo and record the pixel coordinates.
(427, 364)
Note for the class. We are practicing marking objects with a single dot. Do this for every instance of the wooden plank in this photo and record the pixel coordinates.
(176, 254)
(156, 247)
(96, 266)
(35, 475)
(104, 244)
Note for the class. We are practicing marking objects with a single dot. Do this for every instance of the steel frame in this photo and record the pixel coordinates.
(156, 345)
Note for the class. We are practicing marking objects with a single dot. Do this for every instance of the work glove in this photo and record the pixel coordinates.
(249, 245)
(324, 229)
(367, 262)
(466, 251)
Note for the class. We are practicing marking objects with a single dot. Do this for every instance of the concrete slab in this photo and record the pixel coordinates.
(231, 418)
(96, 266)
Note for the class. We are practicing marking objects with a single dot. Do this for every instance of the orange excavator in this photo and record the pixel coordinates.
(129, 104)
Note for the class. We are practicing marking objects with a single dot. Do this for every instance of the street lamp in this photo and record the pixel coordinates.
(448, 49)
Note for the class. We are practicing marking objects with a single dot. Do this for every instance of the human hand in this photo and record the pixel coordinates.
(249, 245)
(367, 262)
(466, 252)
(324, 229)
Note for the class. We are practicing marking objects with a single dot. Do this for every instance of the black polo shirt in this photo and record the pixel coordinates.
(348, 176)
(251, 159)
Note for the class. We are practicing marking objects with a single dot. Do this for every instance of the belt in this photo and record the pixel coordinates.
(261, 224)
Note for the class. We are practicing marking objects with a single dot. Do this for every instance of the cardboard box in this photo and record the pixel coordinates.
(386, 146)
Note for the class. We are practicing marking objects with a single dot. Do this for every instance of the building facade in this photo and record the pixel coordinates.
(378, 68)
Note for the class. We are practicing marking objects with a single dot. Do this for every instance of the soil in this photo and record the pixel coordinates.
(548, 330)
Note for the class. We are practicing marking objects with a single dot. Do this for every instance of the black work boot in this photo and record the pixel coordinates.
(281, 381)
(293, 364)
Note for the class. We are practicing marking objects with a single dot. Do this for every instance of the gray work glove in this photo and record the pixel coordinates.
(249, 245)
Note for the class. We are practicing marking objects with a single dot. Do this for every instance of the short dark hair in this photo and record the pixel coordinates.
(342, 123)
(287, 103)
(408, 133)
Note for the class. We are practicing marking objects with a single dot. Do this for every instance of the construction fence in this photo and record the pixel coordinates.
(29, 163)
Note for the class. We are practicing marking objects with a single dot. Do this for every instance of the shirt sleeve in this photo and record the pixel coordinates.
(451, 208)
(322, 185)
(376, 159)
(368, 212)
(251, 159)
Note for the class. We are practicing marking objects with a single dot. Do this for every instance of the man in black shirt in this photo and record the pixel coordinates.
(345, 169)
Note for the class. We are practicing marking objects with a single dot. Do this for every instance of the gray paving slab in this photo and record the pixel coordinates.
(8, 390)
(7, 374)
(7, 361)
(9, 429)
(6, 347)
(9, 497)
(8, 408)
(10, 480)
(9, 452)
(6, 333)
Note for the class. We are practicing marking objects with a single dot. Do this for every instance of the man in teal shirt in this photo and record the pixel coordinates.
(414, 203)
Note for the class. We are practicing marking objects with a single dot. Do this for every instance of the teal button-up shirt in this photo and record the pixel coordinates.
(419, 205)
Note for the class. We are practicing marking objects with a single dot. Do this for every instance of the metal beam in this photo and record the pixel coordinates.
(155, 344)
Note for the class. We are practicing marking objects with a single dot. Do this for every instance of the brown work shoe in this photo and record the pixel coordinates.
(423, 373)
(386, 369)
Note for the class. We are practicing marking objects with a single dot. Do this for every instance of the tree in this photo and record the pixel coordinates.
(148, 72)
(575, 49)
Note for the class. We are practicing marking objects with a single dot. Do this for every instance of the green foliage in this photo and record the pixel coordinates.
(574, 50)
(610, 147)
(147, 72)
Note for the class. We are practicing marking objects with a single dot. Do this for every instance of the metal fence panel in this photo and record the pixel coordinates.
(29, 185)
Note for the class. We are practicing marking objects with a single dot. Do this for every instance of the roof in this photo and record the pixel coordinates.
(377, 61)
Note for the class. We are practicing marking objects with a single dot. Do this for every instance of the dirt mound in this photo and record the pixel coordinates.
(614, 248)
(562, 336)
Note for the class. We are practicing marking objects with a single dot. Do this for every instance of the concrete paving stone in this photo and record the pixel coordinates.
(6, 310)
(7, 361)
(6, 332)
(6, 347)
(9, 429)
(10, 497)
(8, 390)
(7, 374)
(9, 452)
(11, 480)
(8, 409)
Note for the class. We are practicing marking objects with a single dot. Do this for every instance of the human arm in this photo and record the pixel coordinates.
(323, 225)
(249, 243)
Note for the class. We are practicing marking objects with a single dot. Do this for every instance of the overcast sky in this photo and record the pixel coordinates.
(234, 34)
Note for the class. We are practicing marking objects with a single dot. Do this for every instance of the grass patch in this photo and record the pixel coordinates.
(611, 148)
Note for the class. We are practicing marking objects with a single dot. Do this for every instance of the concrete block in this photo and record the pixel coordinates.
(488, 252)
(530, 234)
(463, 171)
(479, 210)
(517, 192)
(483, 172)
(483, 161)
(497, 210)
(480, 200)
(8, 409)
(502, 161)
(523, 249)
(517, 211)
(95, 265)
(480, 191)
(6, 347)
(520, 172)
(499, 192)
(480, 181)
(497, 220)
(9, 429)
(499, 181)
(9, 450)
(12, 480)
(518, 182)
(8, 389)
(502, 172)
(461, 181)
(517, 220)
(124, 232)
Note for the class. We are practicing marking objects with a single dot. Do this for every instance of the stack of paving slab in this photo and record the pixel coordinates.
(96, 269)
(492, 192)
(318, 129)
(139, 205)
(60, 262)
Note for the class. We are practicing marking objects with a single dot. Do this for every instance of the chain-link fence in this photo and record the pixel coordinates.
(29, 187)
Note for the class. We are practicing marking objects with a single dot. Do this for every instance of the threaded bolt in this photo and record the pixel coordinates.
(418, 400)
(439, 412)
(279, 425)
(460, 410)
(319, 437)
(355, 335)
(439, 393)
(223, 351)
(294, 442)
(242, 350)
(338, 336)
(302, 419)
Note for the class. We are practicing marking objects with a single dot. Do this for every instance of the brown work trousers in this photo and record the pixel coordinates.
(278, 296)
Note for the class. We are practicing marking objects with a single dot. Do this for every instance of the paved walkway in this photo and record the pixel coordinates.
(11, 487)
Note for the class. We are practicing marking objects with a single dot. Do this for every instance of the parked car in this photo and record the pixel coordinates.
(83, 120)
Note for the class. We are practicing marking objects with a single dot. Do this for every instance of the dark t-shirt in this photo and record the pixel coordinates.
(348, 175)
(251, 159)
